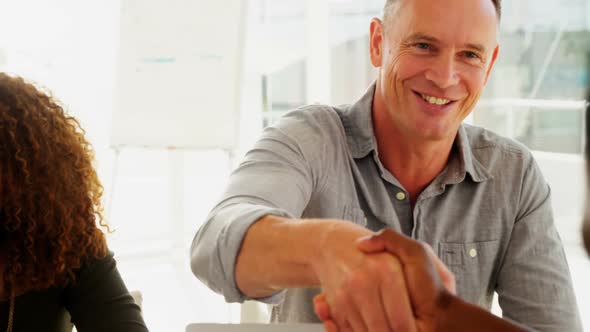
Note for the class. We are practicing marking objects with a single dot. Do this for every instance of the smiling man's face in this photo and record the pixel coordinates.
(434, 58)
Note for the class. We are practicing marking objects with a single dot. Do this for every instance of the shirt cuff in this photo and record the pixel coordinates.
(240, 218)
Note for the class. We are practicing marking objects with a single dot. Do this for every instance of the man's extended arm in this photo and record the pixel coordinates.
(254, 244)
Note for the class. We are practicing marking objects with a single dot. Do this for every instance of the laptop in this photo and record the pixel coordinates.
(255, 328)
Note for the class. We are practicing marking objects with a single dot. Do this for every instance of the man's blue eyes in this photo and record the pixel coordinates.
(428, 47)
(423, 46)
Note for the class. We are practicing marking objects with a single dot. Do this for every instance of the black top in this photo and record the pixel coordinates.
(97, 301)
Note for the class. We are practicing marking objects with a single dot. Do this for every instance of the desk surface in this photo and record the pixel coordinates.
(254, 328)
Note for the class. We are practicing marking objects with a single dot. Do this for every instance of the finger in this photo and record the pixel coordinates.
(372, 312)
(384, 240)
(346, 328)
(409, 251)
(421, 277)
(367, 296)
(355, 321)
(321, 307)
(343, 313)
(446, 276)
(372, 244)
(330, 326)
(395, 300)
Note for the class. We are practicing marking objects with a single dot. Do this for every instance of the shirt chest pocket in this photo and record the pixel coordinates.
(474, 265)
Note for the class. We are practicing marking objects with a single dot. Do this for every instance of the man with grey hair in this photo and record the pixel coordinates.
(388, 3)
(291, 221)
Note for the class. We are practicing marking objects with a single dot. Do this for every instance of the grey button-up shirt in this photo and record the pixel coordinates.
(488, 214)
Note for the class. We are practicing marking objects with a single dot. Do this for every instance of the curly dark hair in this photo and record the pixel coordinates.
(50, 195)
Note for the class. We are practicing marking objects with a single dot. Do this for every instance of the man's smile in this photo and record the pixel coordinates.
(435, 105)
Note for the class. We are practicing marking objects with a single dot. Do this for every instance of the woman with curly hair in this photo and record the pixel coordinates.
(54, 260)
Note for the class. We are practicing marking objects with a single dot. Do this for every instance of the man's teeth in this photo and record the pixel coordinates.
(434, 100)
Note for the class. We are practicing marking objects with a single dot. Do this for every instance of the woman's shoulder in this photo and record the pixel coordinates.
(100, 288)
(94, 268)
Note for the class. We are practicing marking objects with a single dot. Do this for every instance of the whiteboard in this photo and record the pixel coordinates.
(178, 73)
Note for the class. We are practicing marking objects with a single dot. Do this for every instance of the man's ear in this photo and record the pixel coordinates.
(376, 42)
(494, 58)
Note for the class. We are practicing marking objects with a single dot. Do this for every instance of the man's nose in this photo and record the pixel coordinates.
(443, 72)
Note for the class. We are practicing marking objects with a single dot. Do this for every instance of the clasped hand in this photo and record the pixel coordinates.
(383, 282)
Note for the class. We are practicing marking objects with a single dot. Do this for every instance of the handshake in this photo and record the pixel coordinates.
(414, 292)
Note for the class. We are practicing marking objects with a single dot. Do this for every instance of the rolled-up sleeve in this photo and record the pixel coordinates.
(217, 244)
(534, 283)
(277, 177)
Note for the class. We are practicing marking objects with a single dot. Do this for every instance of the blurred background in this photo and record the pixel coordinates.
(172, 93)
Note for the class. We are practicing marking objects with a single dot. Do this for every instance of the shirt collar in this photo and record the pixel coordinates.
(358, 125)
(463, 162)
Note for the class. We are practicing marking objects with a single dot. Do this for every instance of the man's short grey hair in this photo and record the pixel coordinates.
(390, 3)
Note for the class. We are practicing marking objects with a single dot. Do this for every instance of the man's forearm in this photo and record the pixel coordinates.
(276, 254)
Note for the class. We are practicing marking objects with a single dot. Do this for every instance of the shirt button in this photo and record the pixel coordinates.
(473, 253)
(400, 196)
